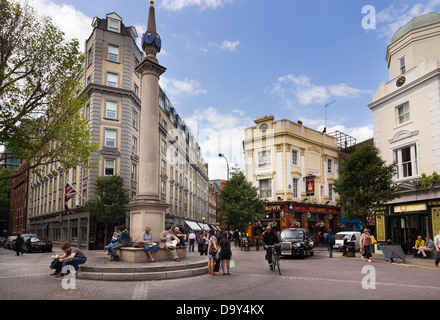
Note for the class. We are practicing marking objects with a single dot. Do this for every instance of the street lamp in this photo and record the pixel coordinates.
(221, 155)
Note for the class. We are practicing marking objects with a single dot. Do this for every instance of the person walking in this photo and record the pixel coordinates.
(330, 241)
(192, 240)
(225, 252)
(365, 244)
(19, 245)
(437, 248)
(212, 250)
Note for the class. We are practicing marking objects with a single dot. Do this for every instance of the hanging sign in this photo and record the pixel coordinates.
(310, 185)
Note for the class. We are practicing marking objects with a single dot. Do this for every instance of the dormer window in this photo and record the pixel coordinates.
(114, 25)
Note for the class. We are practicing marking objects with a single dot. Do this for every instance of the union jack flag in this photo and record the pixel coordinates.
(69, 194)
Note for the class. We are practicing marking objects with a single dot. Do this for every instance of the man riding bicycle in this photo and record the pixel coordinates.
(270, 238)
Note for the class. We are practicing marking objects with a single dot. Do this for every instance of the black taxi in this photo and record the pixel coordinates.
(296, 242)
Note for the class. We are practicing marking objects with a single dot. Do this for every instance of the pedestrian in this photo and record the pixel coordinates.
(236, 237)
(124, 241)
(202, 243)
(147, 243)
(225, 252)
(330, 241)
(169, 241)
(19, 245)
(437, 247)
(365, 244)
(429, 247)
(192, 240)
(72, 256)
(212, 250)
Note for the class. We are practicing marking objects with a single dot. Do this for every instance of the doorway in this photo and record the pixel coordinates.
(405, 229)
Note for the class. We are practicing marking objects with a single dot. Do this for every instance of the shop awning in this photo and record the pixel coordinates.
(193, 225)
(205, 226)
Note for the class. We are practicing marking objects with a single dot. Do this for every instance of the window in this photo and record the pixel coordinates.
(403, 114)
(402, 65)
(407, 165)
(113, 53)
(109, 167)
(133, 172)
(112, 80)
(134, 145)
(329, 165)
(163, 168)
(111, 108)
(136, 89)
(295, 157)
(295, 184)
(135, 119)
(266, 188)
(330, 192)
(264, 158)
(110, 138)
(113, 25)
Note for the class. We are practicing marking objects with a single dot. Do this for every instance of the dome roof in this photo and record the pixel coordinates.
(417, 22)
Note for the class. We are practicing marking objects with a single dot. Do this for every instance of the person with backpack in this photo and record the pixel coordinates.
(330, 241)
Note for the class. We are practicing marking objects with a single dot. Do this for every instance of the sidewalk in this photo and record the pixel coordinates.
(378, 256)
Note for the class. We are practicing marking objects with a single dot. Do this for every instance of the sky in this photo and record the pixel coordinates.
(231, 61)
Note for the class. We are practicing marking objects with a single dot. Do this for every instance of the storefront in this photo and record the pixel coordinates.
(317, 218)
(403, 222)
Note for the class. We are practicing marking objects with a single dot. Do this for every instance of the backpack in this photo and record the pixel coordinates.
(331, 239)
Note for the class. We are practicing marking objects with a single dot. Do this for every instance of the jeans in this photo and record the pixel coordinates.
(438, 258)
(117, 246)
(74, 262)
(191, 245)
(330, 249)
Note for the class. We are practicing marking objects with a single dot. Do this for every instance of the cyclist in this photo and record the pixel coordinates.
(270, 238)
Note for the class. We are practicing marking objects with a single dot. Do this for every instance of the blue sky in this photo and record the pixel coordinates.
(231, 61)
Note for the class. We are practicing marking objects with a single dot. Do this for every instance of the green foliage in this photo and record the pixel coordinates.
(110, 201)
(365, 183)
(41, 115)
(240, 202)
(5, 193)
(428, 182)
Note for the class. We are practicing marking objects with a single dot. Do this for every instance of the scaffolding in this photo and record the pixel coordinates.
(344, 141)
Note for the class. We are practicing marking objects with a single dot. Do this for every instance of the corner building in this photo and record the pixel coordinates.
(406, 122)
(294, 168)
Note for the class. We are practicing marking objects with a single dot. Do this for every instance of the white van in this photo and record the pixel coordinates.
(350, 236)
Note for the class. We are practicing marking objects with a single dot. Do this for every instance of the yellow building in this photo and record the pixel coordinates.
(294, 168)
(406, 119)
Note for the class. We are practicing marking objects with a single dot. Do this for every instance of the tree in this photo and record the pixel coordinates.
(5, 194)
(365, 183)
(109, 204)
(40, 111)
(240, 202)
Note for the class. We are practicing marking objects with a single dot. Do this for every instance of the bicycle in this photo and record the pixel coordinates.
(275, 259)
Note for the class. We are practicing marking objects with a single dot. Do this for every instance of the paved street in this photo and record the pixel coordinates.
(319, 277)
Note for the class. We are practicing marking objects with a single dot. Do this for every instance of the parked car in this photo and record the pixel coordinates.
(35, 243)
(2, 241)
(353, 236)
(297, 242)
(10, 242)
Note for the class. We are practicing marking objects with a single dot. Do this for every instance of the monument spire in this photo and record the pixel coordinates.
(151, 42)
(148, 209)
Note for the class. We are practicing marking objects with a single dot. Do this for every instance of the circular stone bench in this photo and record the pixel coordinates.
(137, 255)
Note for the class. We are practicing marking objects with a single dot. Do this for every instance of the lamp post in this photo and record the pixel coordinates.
(221, 155)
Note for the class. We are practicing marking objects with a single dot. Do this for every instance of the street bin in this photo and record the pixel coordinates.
(350, 249)
(245, 244)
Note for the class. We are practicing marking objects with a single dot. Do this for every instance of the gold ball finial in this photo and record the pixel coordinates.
(151, 1)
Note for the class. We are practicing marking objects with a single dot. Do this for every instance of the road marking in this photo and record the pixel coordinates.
(347, 281)
(24, 275)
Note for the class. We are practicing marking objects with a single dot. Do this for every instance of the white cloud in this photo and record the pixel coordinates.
(298, 90)
(176, 87)
(72, 22)
(229, 45)
(359, 133)
(219, 132)
(175, 5)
